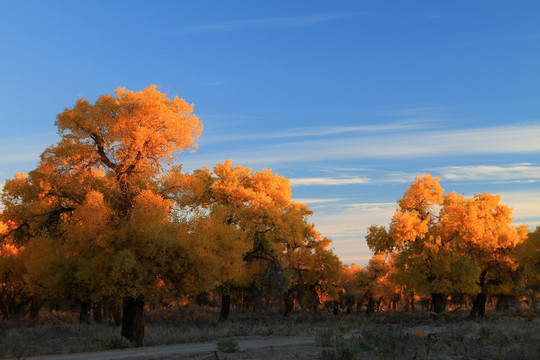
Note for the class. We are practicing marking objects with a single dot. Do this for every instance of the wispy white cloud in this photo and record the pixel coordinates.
(344, 221)
(25, 148)
(25, 156)
(525, 204)
(328, 181)
(347, 224)
(317, 131)
(310, 201)
(292, 21)
(516, 139)
(524, 172)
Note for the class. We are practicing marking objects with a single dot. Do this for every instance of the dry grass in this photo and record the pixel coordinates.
(180, 326)
(509, 338)
(55, 339)
(385, 335)
(247, 326)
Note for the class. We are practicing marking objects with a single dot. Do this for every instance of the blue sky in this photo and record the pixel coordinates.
(348, 99)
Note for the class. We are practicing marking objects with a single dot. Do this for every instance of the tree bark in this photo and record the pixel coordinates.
(479, 305)
(84, 314)
(439, 302)
(370, 308)
(133, 320)
(98, 311)
(35, 307)
(225, 305)
(289, 304)
(502, 303)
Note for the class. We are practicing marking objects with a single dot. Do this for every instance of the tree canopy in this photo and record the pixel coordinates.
(448, 244)
(109, 214)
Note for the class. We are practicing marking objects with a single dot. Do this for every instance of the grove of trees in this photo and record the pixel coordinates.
(108, 217)
(448, 245)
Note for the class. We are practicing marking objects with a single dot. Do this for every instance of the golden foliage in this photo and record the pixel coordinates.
(445, 241)
(424, 193)
(125, 131)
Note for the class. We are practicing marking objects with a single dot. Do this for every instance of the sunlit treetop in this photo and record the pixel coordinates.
(423, 193)
(238, 185)
(481, 222)
(125, 132)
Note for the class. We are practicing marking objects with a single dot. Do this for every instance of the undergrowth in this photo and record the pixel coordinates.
(379, 336)
(466, 340)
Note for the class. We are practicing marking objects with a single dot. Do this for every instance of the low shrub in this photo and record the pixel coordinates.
(228, 345)
(324, 338)
(117, 342)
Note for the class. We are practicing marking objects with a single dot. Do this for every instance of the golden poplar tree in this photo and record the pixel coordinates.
(257, 238)
(425, 259)
(482, 228)
(97, 197)
(449, 244)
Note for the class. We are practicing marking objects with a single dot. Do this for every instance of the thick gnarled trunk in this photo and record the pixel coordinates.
(84, 314)
(133, 320)
(439, 302)
(370, 308)
(479, 305)
(35, 307)
(97, 310)
(289, 303)
(225, 305)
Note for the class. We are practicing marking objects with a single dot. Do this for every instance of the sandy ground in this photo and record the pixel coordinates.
(288, 352)
(285, 348)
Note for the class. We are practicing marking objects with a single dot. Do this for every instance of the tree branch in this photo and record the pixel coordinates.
(101, 152)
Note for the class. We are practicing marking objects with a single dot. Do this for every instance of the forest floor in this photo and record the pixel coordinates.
(321, 336)
(258, 348)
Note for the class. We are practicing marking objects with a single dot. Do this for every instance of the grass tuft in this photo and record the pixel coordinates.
(228, 345)
(325, 338)
(117, 342)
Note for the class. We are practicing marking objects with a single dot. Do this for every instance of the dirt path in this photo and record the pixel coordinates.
(172, 351)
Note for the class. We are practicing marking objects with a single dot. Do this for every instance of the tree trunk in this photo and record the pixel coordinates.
(412, 301)
(370, 308)
(225, 305)
(4, 310)
(289, 304)
(503, 303)
(133, 320)
(439, 302)
(112, 310)
(84, 314)
(35, 307)
(479, 305)
(98, 312)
